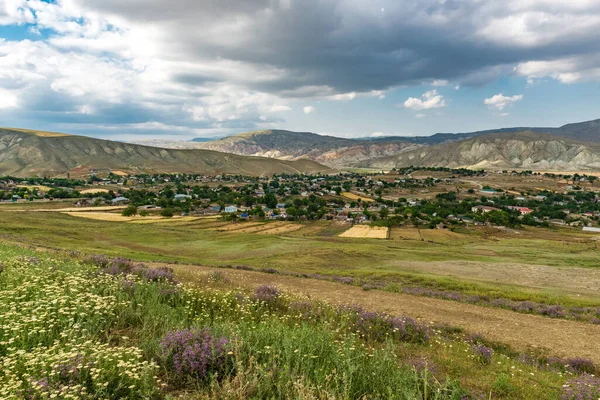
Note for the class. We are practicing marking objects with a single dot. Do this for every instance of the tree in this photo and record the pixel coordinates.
(384, 212)
(166, 212)
(130, 211)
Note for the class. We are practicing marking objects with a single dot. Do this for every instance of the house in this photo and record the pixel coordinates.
(230, 209)
(244, 215)
(215, 208)
(488, 191)
(522, 210)
(484, 209)
(120, 200)
(280, 205)
(182, 197)
(591, 229)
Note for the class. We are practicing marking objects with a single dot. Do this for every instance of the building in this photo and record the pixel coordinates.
(120, 200)
(522, 210)
(484, 209)
(231, 209)
(182, 197)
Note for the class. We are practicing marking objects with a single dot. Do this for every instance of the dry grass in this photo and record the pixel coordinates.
(366, 231)
(40, 133)
(353, 196)
(38, 187)
(282, 229)
(88, 191)
(114, 217)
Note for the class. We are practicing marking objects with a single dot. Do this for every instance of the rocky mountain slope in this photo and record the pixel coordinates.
(26, 153)
(287, 145)
(341, 152)
(520, 150)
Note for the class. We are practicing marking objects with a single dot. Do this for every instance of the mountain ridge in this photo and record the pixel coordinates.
(26, 152)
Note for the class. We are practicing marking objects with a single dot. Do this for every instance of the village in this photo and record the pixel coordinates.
(436, 198)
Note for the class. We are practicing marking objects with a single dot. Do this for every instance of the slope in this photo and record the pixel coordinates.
(521, 150)
(329, 150)
(25, 153)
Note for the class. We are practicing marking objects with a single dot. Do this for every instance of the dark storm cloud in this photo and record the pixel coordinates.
(355, 45)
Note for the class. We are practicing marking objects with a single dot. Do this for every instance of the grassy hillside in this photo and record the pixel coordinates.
(26, 153)
(96, 327)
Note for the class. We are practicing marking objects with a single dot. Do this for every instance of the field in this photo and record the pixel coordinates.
(127, 331)
(353, 196)
(366, 232)
(529, 292)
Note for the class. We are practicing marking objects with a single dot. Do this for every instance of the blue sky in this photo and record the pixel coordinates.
(177, 69)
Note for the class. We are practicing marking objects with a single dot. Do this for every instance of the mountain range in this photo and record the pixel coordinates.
(570, 147)
(27, 153)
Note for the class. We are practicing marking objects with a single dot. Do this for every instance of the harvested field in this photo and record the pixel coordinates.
(367, 232)
(282, 229)
(78, 209)
(114, 217)
(353, 196)
(430, 235)
(99, 190)
(237, 227)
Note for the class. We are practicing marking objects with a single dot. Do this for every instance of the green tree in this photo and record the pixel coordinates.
(130, 211)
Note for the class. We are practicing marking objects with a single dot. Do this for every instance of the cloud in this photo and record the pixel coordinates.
(428, 100)
(499, 101)
(420, 116)
(309, 109)
(378, 134)
(344, 96)
(7, 99)
(213, 65)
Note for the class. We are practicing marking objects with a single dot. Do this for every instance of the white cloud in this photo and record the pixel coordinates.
(378, 134)
(279, 108)
(309, 109)
(420, 116)
(504, 114)
(428, 100)
(344, 96)
(440, 83)
(8, 99)
(499, 101)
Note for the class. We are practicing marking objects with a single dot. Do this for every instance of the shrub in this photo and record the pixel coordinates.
(130, 211)
(167, 212)
(195, 354)
(269, 295)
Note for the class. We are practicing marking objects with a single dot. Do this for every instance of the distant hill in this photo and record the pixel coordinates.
(588, 131)
(341, 152)
(288, 145)
(518, 150)
(26, 153)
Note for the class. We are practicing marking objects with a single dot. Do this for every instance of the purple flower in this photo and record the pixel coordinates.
(482, 353)
(268, 294)
(195, 353)
(584, 387)
(380, 326)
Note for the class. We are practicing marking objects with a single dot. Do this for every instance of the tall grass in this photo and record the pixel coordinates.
(106, 328)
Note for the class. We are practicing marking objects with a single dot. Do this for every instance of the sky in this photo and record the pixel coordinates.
(178, 69)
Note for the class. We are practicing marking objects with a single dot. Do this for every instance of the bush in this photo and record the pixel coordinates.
(167, 212)
(130, 211)
(195, 354)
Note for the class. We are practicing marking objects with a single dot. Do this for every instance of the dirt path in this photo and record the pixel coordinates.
(520, 331)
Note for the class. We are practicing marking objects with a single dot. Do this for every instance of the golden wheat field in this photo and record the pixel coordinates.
(366, 232)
